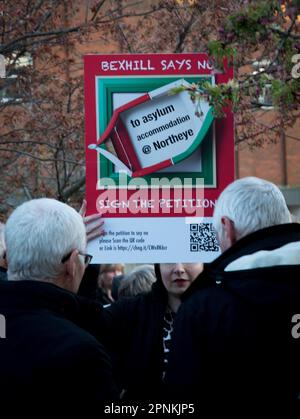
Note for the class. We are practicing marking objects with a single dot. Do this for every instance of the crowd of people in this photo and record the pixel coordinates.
(175, 331)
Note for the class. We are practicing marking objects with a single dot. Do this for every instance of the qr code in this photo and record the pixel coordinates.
(203, 237)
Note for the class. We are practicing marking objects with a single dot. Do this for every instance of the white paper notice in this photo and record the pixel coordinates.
(163, 127)
(147, 240)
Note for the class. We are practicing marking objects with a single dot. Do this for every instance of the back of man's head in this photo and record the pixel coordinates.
(251, 204)
(38, 234)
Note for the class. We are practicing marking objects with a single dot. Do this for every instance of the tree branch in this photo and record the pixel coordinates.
(284, 33)
(9, 47)
(97, 9)
(25, 153)
(67, 192)
(184, 33)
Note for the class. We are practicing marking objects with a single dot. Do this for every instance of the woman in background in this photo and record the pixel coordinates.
(105, 280)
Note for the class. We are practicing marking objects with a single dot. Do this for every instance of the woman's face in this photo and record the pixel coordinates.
(177, 277)
(106, 279)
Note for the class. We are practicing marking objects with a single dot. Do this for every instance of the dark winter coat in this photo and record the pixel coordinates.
(46, 358)
(132, 330)
(233, 334)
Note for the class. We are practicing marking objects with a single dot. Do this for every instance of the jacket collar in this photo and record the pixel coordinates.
(267, 239)
(38, 295)
(289, 254)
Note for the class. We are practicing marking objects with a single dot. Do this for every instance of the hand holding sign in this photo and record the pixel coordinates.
(93, 223)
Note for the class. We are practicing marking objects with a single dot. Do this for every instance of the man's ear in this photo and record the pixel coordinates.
(229, 230)
(71, 264)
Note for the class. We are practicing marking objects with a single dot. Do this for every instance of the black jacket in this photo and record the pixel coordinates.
(132, 331)
(46, 358)
(233, 334)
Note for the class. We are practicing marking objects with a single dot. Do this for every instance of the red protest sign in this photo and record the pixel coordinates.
(145, 133)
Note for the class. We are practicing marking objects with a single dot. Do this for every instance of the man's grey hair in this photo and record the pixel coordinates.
(139, 281)
(38, 234)
(251, 203)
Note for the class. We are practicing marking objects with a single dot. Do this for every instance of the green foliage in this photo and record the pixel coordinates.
(219, 96)
(284, 93)
(219, 51)
(268, 28)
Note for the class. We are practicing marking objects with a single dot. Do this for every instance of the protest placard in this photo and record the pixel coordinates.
(160, 163)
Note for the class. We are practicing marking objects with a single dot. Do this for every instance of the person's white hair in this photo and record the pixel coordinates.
(38, 234)
(139, 281)
(252, 204)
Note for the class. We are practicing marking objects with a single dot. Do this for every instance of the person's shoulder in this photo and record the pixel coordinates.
(86, 346)
(212, 292)
(130, 303)
(76, 341)
(214, 298)
(78, 357)
(68, 331)
(129, 310)
(57, 340)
